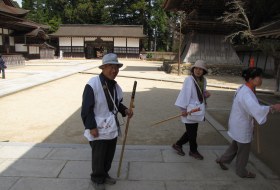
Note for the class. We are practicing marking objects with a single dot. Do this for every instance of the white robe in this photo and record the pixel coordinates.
(245, 109)
(188, 95)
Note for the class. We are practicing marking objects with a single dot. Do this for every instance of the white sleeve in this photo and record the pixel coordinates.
(184, 96)
(252, 106)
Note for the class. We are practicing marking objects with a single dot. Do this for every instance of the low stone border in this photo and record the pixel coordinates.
(213, 69)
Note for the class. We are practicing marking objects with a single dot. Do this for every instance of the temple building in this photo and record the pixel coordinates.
(203, 34)
(20, 38)
(92, 41)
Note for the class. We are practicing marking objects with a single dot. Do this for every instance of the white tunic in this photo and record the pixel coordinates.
(245, 109)
(188, 95)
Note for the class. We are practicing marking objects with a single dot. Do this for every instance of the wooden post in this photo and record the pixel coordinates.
(180, 44)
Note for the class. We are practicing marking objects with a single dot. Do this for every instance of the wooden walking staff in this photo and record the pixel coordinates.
(173, 117)
(170, 118)
(258, 139)
(131, 106)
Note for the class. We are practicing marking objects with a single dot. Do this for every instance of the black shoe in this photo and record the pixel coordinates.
(196, 155)
(110, 181)
(178, 149)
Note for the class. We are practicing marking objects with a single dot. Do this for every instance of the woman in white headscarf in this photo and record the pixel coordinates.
(245, 109)
(192, 94)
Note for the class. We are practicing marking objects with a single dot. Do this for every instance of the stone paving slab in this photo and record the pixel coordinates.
(263, 169)
(139, 155)
(177, 171)
(170, 155)
(218, 185)
(61, 169)
(7, 182)
(52, 184)
(82, 170)
(138, 185)
(23, 152)
(31, 168)
(70, 154)
(76, 169)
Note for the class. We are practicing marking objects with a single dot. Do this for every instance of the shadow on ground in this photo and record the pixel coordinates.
(151, 105)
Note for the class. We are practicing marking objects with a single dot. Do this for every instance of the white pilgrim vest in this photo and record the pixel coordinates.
(188, 95)
(107, 127)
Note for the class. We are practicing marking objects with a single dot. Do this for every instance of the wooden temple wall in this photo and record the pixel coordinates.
(209, 47)
(261, 60)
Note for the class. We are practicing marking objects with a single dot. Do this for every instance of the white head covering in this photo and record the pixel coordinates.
(200, 64)
(110, 58)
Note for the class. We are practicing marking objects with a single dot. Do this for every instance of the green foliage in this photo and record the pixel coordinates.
(149, 55)
(54, 24)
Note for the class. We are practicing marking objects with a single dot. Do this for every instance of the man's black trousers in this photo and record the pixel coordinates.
(103, 152)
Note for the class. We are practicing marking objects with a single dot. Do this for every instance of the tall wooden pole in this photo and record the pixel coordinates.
(180, 43)
(131, 106)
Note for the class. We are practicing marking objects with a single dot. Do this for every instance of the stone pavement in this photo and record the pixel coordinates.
(27, 166)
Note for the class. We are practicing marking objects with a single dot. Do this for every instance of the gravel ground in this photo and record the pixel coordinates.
(50, 112)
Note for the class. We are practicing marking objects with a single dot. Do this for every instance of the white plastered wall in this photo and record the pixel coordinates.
(34, 50)
(64, 41)
(120, 42)
(132, 42)
(89, 39)
(20, 48)
(77, 41)
(5, 31)
(107, 39)
(12, 41)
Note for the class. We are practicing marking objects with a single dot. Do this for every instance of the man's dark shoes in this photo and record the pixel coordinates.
(221, 164)
(196, 155)
(178, 149)
(98, 186)
(110, 181)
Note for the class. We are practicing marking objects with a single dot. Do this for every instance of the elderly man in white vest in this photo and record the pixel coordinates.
(102, 100)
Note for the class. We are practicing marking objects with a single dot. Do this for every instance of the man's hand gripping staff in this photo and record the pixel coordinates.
(184, 114)
(129, 115)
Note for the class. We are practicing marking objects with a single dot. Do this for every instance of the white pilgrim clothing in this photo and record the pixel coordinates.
(188, 95)
(244, 110)
(105, 120)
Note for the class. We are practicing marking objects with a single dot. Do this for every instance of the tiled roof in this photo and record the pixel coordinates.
(87, 30)
(12, 10)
